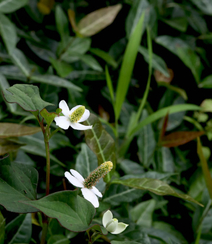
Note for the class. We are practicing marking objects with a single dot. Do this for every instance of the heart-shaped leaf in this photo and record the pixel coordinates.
(72, 211)
(17, 183)
(156, 186)
(16, 130)
(27, 96)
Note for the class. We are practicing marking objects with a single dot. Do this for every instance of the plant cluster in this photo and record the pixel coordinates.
(101, 128)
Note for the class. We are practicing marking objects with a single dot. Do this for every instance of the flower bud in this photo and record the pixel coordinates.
(97, 174)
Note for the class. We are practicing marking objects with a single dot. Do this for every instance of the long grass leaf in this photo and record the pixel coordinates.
(127, 66)
(109, 84)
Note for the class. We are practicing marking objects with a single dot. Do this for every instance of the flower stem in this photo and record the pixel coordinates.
(47, 167)
(44, 232)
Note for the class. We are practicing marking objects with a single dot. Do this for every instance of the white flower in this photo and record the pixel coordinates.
(72, 117)
(111, 224)
(89, 194)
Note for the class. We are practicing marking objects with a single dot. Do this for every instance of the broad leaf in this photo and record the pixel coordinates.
(72, 211)
(19, 230)
(7, 146)
(206, 82)
(184, 52)
(142, 213)
(9, 6)
(91, 62)
(156, 186)
(179, 138)
(8, 32)
(16, 130)
(205, 6)
(55, 81)
(62, 23)
(27, 96)
(180, 23)
(17, 183)
(58, 239)
(63, 69)
(2, 228)
(99, 141)
(98, 20)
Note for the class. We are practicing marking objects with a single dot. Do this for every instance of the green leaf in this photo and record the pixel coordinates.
(58, 239)
(2, 228)
(12, 72)
(180, 23)
(49, 117)
(180, 91)
(205, 6)
(184, 52)
(157, 62)
(206, 82)
(156, 186)
(105, 56)
(8, 32)
(62, 23)
(98, 20)
(146, 143)
(138, 9)
(16, 130)
(55, 81)
(72, 211)
(127, 66)
(117, 194)
(8, 6)
(74, 48)
(109, 84)
(165, 160)
(20, 60)
(142, 213)
(128, 242)
(63, 69)
(27, 96)
(17, 183)
(19, 230)
(99, 141)
(91, 62)
(7, 146)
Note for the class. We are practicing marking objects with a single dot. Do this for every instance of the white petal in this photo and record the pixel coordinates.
(84, 116)
(107, 217)
(73, 109)
(77, 175)
(120, 228)
(112, 225)
(74, 181)
(78, 126)
(65, 109)
(96, 191)
(63, 122)
(90, 196)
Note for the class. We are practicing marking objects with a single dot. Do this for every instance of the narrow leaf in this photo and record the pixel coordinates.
(27, 96)
(2, 228)
(105, 56)
(9, 6)
(99, 141)
(205, 169)
(206, 82)
(17, 183)
(91, 62)
(72, 211)
(62, 23)
(109, 84)
(16, 130)
(156, 186)
(7, 146)
(179, 138)
(127, 66)
(8, 32)
(98, 20)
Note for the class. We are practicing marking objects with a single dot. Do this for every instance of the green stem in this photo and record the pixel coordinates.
(47, 166)
(44, 232)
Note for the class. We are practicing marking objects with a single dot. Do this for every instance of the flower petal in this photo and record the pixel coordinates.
(74, 181)
(90, 196)
(112, 225)
(107, 217)
(73, 109)
(63, 122)
(78, 126)
(96, 191)
(65, 109)
(84, 116)
(77, 175)
(120, 228)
